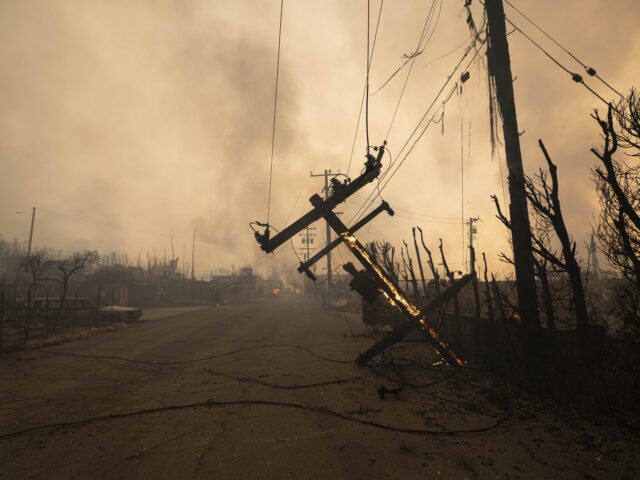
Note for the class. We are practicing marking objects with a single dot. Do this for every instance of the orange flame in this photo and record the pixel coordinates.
(398, 298)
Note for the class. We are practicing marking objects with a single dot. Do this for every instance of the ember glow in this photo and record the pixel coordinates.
(397, 298)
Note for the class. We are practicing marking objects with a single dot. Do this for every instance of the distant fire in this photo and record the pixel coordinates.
(276, 291)
(399, 299)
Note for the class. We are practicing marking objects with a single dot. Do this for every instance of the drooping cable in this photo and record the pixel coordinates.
(275, 109)
(366, 112)
(390, 172)
(574, 76)
(364, 90)
(419, 48)
(591, 71)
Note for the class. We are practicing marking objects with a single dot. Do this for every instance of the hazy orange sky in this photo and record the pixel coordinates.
(125, 121)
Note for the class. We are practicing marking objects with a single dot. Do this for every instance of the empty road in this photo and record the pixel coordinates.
(269, 390)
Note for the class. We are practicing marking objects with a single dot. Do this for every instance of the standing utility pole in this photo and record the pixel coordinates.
(307, 240)
(500, 69)
(472, 264)
(327, 174)
(193, 256)
(471, 225)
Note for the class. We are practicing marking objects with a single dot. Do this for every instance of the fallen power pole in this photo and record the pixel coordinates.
(500, 69)
(373, 281)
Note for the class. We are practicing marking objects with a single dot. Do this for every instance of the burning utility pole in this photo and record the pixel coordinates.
(372, 282)
(500, 71)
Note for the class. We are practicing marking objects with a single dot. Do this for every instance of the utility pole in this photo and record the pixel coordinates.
(33, 221)
(328, 174)
(173, 258)
(500, 69)
(471, 225)
(307, 240)
(193, 256)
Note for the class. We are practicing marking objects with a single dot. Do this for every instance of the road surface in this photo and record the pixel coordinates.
(269, 390)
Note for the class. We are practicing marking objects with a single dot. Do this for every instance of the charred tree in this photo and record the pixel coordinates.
(487, 290)
(409, 267)
(432, 267)
(618, 187)
(419, 259)
(544, 197)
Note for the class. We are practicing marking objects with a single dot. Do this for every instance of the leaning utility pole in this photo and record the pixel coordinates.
(500, 69)
(33, 220)
(326, 175)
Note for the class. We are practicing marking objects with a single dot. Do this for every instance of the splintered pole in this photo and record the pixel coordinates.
(500, 70)
(387, 286)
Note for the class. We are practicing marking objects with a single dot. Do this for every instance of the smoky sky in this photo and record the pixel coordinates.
(127, 122)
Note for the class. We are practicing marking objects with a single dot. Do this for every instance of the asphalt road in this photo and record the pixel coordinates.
(269, 390)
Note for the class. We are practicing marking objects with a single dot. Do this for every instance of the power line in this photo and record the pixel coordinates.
(366, 113)
(432, 120)
(413, 59)
(364, 90)
(410, 57)
(445, 55)
(591, 71)
(369, 200)
(275, 108)
(574, 76)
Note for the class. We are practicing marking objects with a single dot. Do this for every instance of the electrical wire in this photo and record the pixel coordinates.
(364, 90)
(419, 48)
(574, 76)
(366, 113)
(466, 53)
(410, 57)
(257, 402)
(196, 360)
(275, 109)
(451, 52)
(592, 72)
